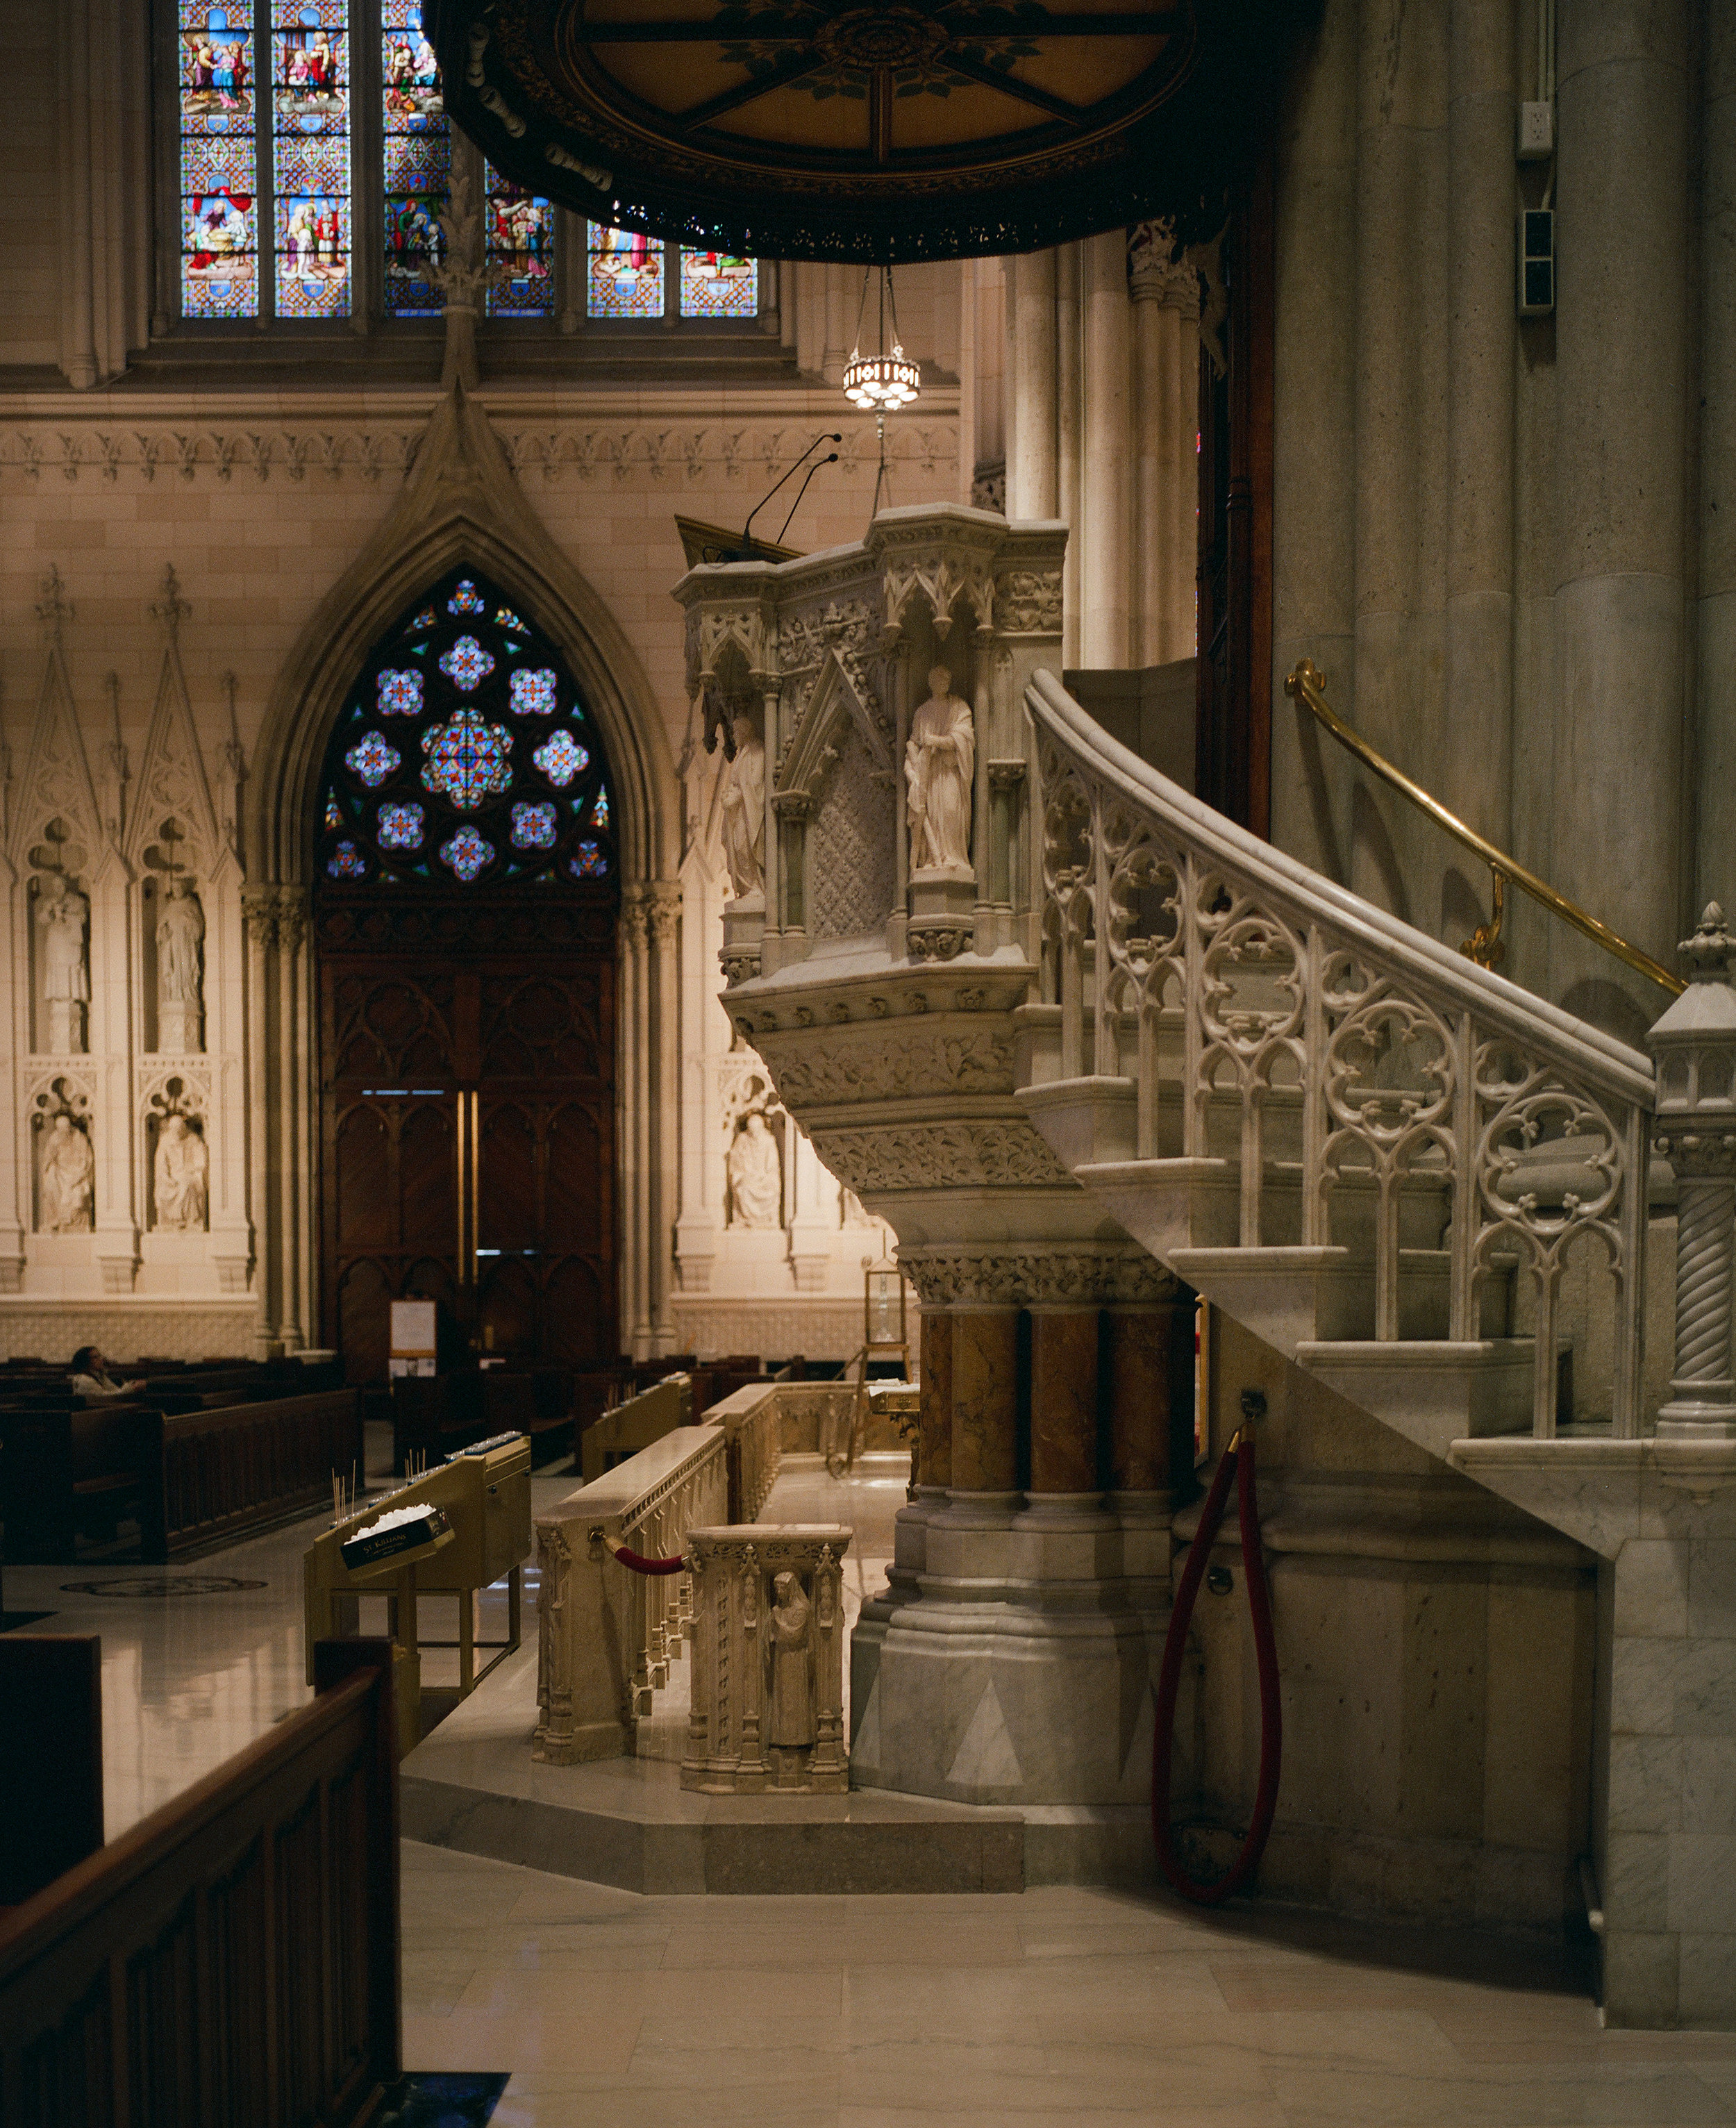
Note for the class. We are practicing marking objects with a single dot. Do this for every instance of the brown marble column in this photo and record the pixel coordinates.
(984, 1399)
(934, 1445)
(1140, 1388)
(1064, 1346)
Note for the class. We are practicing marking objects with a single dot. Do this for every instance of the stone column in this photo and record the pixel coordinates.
(1621, 381)
(1069, 429)
(1064, 1403)
(1149, 1350)
(258, 913)
(291, 926)
(985, 1408)
(1717, 604)
(934, 1450)
(1104, 565)
(1165, 293)
(663, 922)
(1031, 460)
(636, 1151)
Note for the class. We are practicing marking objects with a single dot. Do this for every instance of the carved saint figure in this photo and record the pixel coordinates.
(756, 1177)
(180, 934)
(938, 764)
(744, 811)
(790, 1725)
(66, 1178)
(61, 912)
(179, 1177)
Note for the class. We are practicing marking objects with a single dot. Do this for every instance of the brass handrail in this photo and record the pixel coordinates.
(1305, 684)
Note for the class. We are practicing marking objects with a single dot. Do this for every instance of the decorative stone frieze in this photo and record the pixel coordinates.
(1026, 1279)
(1001, 1156)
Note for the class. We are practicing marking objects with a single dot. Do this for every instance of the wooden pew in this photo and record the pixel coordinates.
(234, 1959)
(64, 1469)
(50, 1758)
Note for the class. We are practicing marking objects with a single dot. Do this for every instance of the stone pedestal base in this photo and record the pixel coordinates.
(744, 925)
(942, 912)
(180, 1030)
(66, 1027)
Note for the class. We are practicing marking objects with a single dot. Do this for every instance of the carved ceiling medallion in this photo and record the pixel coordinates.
(823, 129)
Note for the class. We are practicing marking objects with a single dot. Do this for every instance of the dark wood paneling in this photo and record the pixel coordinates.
(244, 1466)
(206, 1970)
(50, 1758)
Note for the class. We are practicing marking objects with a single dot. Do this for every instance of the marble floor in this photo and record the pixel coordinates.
(1091, 2008)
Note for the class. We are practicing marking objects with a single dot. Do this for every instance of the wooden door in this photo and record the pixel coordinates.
(468, 1150)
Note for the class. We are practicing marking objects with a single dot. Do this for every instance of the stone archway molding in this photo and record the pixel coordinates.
(461, 504)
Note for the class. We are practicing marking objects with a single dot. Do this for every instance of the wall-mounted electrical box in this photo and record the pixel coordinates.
(1536, 261)
(1536, 132)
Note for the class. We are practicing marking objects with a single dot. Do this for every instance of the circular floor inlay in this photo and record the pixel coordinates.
(163, 1585)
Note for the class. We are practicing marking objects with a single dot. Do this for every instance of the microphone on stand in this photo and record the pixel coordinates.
(790, 475)
(830, 458)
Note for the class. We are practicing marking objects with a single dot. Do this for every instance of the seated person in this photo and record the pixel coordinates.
(91, 1377)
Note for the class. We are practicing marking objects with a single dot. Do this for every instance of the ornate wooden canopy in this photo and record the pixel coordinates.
(829, 129)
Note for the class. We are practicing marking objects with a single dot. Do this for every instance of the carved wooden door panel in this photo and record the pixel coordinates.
(467, 1149)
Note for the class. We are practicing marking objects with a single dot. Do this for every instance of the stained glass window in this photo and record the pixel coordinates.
(715, 284)
(624, 273)
(373, 759)
(219, 162)
(466, 663)
(400, 827)
(400, 693)
(533, 692)
(519, 249)
(310, 59)
(416, 158)
(468, 760)
(466, 852)
(464, 788)
(534, 826)
(562, 759)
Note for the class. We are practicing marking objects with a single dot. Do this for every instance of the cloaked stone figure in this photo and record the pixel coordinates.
(66, 1178)
(179, 1174)
(744, 811)
(180, 967)
(61, 913)
(756, 1177)
(939, 762)
(790, 1725)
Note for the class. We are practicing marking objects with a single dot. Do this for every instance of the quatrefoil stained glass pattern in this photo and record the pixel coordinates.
(466, 663)
(373, 759)
(463, 759)
(468, 760)
(561, 759)
(533, 691)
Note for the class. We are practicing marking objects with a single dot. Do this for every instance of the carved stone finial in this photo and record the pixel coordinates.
(1708, 952)
(171, 610)
(54, 609)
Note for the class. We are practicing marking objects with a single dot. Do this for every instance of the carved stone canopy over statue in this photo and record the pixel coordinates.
(66, 1177)
(179, 1177)
(939, 762)
(743, 806)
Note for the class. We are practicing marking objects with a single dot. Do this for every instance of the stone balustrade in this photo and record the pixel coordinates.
(768, 1660)
(607, 1635)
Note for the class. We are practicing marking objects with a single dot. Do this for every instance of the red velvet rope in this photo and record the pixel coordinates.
(642, 1566)
(1239, 1462)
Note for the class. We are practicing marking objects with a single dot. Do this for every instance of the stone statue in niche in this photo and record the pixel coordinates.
(180, 968)
(744, 811)
(66, 1178)
(179, 1177)
(791, 1728)
(939, 762)
(755, 1175)
(62, 914)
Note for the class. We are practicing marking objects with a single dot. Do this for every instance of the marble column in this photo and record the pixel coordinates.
(934, 1450)
(1621, 372)
(1069, 429)
(1031, 460)
(1064, 1401)
(1104, 563)
(258, 913)
(984, 1406)
(1149, 1353)
(1156, 353)
(1717, 602)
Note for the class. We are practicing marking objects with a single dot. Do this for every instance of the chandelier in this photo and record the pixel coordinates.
(880, 383)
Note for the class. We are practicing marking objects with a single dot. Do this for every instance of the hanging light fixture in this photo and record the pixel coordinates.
(881, 382)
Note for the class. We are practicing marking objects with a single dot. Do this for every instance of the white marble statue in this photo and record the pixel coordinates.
(62, 913)
(756, 1176)
(790, 1724)
(180, 935)
(744, 811)
(179, 1177)
(939, 762)
(66, 1178)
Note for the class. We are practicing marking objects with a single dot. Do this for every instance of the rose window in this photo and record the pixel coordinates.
(491, 772)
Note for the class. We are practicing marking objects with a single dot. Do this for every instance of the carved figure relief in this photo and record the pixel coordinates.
(179, 1173)
(63, 914)
(791, 1728)
(743, 806)
(65, 1178)
(180, 968)
(939, 760)
(755, 1175)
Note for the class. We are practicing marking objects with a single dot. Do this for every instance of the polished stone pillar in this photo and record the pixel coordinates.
(1717, 603)
(1139, 1394)
(1070, 425)
(1621, 372)
(1064, 1401)
(934, 1446)
(1156, 353)
(985, 1403)
(1031, 459)
(1107, 473)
